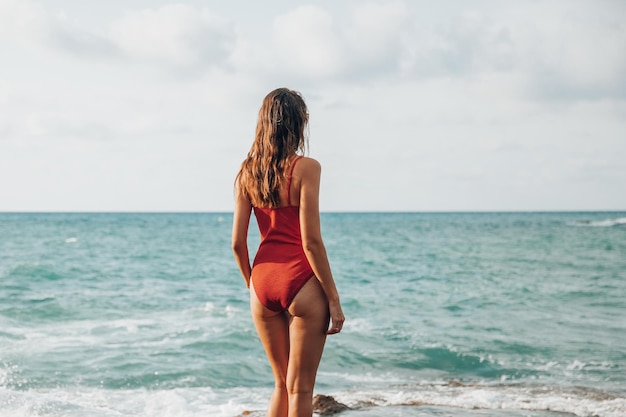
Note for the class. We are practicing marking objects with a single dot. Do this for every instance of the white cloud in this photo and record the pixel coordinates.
(578, 58)
(21, 17)
(376, 37)
(176, 34)
(307, 42)
(173, 36)
(562, 53)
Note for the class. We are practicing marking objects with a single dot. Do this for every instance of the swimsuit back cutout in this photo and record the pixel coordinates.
(280, 268)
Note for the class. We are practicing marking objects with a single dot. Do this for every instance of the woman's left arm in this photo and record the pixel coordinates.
(241, 221)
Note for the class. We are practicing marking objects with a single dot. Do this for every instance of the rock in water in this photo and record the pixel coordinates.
(325, 405)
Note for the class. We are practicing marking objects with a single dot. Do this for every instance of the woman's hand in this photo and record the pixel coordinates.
(336, 316)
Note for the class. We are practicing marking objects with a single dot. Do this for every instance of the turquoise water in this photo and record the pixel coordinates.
(480, 314)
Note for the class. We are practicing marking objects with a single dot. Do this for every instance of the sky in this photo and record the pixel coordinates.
(414, 105)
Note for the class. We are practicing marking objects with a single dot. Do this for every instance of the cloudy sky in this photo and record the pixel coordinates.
(150, 105)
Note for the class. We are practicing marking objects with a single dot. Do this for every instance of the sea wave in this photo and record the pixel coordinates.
(192, 402)
(470, 399)
(620, 221)
(578, 401)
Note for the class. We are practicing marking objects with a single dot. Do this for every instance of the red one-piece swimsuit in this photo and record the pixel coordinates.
(280, 268)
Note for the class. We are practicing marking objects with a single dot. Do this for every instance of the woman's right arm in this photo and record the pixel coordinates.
(241, 221)
(312, 239)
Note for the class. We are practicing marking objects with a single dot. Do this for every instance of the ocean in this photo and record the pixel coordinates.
(447, 314)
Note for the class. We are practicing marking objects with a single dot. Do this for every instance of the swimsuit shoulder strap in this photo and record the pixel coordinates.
(293, 165)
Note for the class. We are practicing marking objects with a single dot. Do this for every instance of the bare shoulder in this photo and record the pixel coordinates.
(309, 166)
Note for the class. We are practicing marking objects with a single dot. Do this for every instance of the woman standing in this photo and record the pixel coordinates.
(292, 291)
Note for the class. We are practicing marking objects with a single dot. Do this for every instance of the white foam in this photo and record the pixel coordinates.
(195, 402)
(367, 378)
(577, 401)
(71, 240)
(602, 223)
(576, 365)
(359, 325)
(189, 402)
(4, 376)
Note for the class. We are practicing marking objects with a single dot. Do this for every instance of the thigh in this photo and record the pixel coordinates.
(273, 330)
(307, 334)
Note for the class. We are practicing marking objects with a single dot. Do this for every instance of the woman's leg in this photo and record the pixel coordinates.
(307, 335)
(273, 330)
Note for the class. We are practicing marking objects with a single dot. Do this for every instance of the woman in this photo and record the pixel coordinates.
(292, 291)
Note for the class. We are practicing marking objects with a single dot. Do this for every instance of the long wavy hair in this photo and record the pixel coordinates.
(280, 134)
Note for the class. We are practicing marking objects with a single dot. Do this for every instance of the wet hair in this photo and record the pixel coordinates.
(280, 134)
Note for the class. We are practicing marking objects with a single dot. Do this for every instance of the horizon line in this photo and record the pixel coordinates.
(486, 211)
